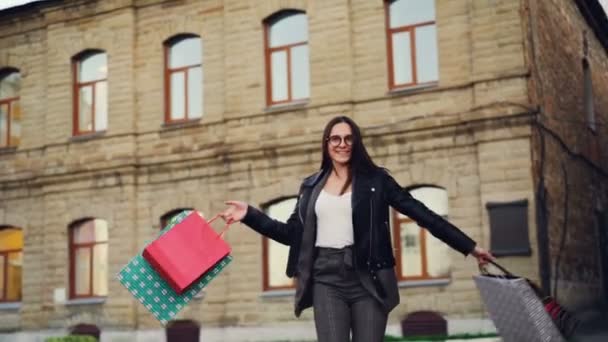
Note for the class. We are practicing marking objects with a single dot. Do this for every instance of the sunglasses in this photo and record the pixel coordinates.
(336, 140)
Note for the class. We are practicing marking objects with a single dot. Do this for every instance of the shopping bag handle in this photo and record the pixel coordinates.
(221, 235)
(483, 270)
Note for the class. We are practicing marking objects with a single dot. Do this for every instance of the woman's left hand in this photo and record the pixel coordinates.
(482, 255)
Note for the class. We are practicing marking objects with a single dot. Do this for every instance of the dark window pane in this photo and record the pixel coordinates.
(509, 228)
(185, 52)
(588, 95)
(93, 68)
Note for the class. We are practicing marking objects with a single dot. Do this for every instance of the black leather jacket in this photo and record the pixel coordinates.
(372, 196)
(373, 193)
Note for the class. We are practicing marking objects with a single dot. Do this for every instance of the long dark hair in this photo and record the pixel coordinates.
(360, 160)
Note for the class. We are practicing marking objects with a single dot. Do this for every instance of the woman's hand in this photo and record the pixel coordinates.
(235, 212)
(482, 256)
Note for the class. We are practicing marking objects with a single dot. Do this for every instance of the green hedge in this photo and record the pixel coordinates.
(72, 338)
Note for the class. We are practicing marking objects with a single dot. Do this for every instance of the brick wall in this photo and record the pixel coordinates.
(453, 135)
(575, 162)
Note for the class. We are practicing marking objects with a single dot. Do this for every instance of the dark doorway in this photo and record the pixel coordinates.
(86, 330)
(183, 331)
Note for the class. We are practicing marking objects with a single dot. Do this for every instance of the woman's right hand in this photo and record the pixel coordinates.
(235, 212)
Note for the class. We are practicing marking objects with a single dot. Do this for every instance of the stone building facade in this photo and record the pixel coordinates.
(515, 109)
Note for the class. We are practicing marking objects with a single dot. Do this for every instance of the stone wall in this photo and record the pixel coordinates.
(469, 134)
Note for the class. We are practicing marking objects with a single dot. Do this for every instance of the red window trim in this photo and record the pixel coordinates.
(77, 86)
(397, 222)
(170, 71)
(389, 47)
(72, 250)
(8, 101)
(3, 295)
(267, 54)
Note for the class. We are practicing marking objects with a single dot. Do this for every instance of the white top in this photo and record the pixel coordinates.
(334, 220)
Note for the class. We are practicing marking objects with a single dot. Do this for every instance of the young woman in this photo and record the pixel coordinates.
(340, 241)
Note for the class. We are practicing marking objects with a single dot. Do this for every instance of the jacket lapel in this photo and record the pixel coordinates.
(361, 190)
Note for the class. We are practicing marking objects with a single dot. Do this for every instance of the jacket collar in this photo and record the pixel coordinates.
(361, 185)
(313, 179)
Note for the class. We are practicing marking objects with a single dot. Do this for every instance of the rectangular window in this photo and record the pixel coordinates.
(419, 255)
(509, 228)
(183, 78)
(11, 261)
(588, 95)
(90, 93)
(89, 259)
(287, 60)
(10, 108)
(275, 255)
(411, 43)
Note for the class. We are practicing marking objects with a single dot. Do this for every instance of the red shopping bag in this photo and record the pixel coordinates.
(187, 251)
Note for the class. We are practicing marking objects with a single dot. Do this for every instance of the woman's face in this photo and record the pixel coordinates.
(339, 143)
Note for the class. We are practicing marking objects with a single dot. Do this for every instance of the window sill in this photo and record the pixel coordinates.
(85, 301)
(425, 282)
(418, 88)
(278, 293)
(180, 124)
(10, 306)
(87, 136)
(287, 106)
(8, 150)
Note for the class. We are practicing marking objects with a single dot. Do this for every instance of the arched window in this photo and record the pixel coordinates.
(287, 64)
(412, 43)
(275, 254)
(11, 261)
(88, 246)
(419, 254)
(183, 78)
(10, 107)
(164, 220)
(90, 92)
